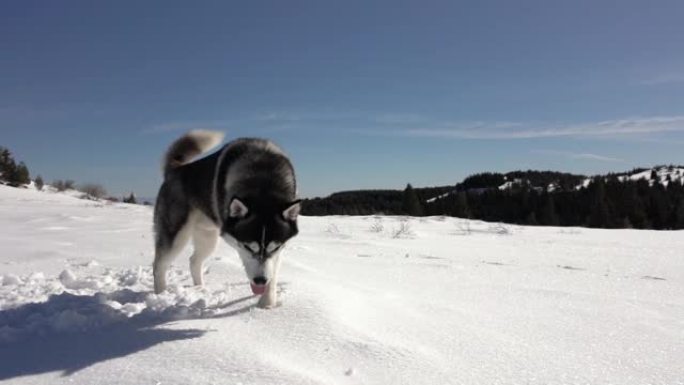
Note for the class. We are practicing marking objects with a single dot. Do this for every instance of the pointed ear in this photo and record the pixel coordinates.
(292, 211)
(237, 209)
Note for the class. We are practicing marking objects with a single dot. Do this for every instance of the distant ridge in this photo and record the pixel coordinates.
(645, 198)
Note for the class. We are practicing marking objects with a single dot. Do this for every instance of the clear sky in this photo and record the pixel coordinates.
(361, 94)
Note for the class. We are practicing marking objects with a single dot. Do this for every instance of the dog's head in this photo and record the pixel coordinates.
(258, 229)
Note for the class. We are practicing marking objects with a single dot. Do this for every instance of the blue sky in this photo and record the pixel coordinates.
(361, 94)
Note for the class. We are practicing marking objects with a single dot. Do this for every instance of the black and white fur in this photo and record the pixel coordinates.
(244, 193)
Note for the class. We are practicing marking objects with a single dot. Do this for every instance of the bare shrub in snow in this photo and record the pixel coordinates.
(336, 232)
(93, 190)
(463, 227)
(403, 231)
(499, 228)
(39, 182)
(58, 185)
(62, 185)
(377, 226)
(332, 229)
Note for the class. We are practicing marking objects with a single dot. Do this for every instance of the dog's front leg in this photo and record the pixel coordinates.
(270, 298)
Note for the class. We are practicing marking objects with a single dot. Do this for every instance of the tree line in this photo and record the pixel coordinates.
(17, 174)
(605, 201)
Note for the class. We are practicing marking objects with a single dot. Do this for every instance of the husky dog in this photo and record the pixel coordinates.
(244, 193)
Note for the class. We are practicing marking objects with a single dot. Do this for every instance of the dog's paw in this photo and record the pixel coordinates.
(159, 288)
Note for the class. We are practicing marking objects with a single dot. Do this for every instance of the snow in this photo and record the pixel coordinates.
(446, 301)
(438, 197)
(676, 174)
(509, 184)
(585, 184)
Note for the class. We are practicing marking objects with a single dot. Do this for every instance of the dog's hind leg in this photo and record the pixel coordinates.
(165, 252)
(204, 240)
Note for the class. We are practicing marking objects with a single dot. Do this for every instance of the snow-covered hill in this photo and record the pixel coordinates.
(365, 300)
(661, 174)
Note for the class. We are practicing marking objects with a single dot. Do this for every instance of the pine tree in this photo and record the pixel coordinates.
(21, 175)
(5, 157)
(658, 207)
(410, 202)
(7, 165)
(599, 215)
(679, 216)
(549, 217)
(10, 172)
(131, 199)
(461, 208)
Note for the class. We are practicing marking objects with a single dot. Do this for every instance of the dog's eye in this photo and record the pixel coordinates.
(273, 246)
(252, 247)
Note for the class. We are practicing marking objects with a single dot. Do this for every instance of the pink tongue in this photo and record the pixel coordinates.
(258, 289)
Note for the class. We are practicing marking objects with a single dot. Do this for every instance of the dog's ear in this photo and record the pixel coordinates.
(292, 211)
(237, 209)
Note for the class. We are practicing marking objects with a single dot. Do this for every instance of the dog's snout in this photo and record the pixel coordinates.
(260, 280)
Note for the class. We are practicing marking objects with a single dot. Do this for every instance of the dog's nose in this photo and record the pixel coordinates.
(260, 280)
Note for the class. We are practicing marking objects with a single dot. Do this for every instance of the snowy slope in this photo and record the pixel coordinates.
(662, 173)
(365, 300)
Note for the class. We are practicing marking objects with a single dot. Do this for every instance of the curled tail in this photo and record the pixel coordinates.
(190, 145)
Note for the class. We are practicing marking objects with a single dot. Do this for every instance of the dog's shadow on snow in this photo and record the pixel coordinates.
(69, 332)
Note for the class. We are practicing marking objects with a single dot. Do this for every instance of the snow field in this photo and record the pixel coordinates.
(364, 300)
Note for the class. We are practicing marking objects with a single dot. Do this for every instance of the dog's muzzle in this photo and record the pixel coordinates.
(258, 285)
